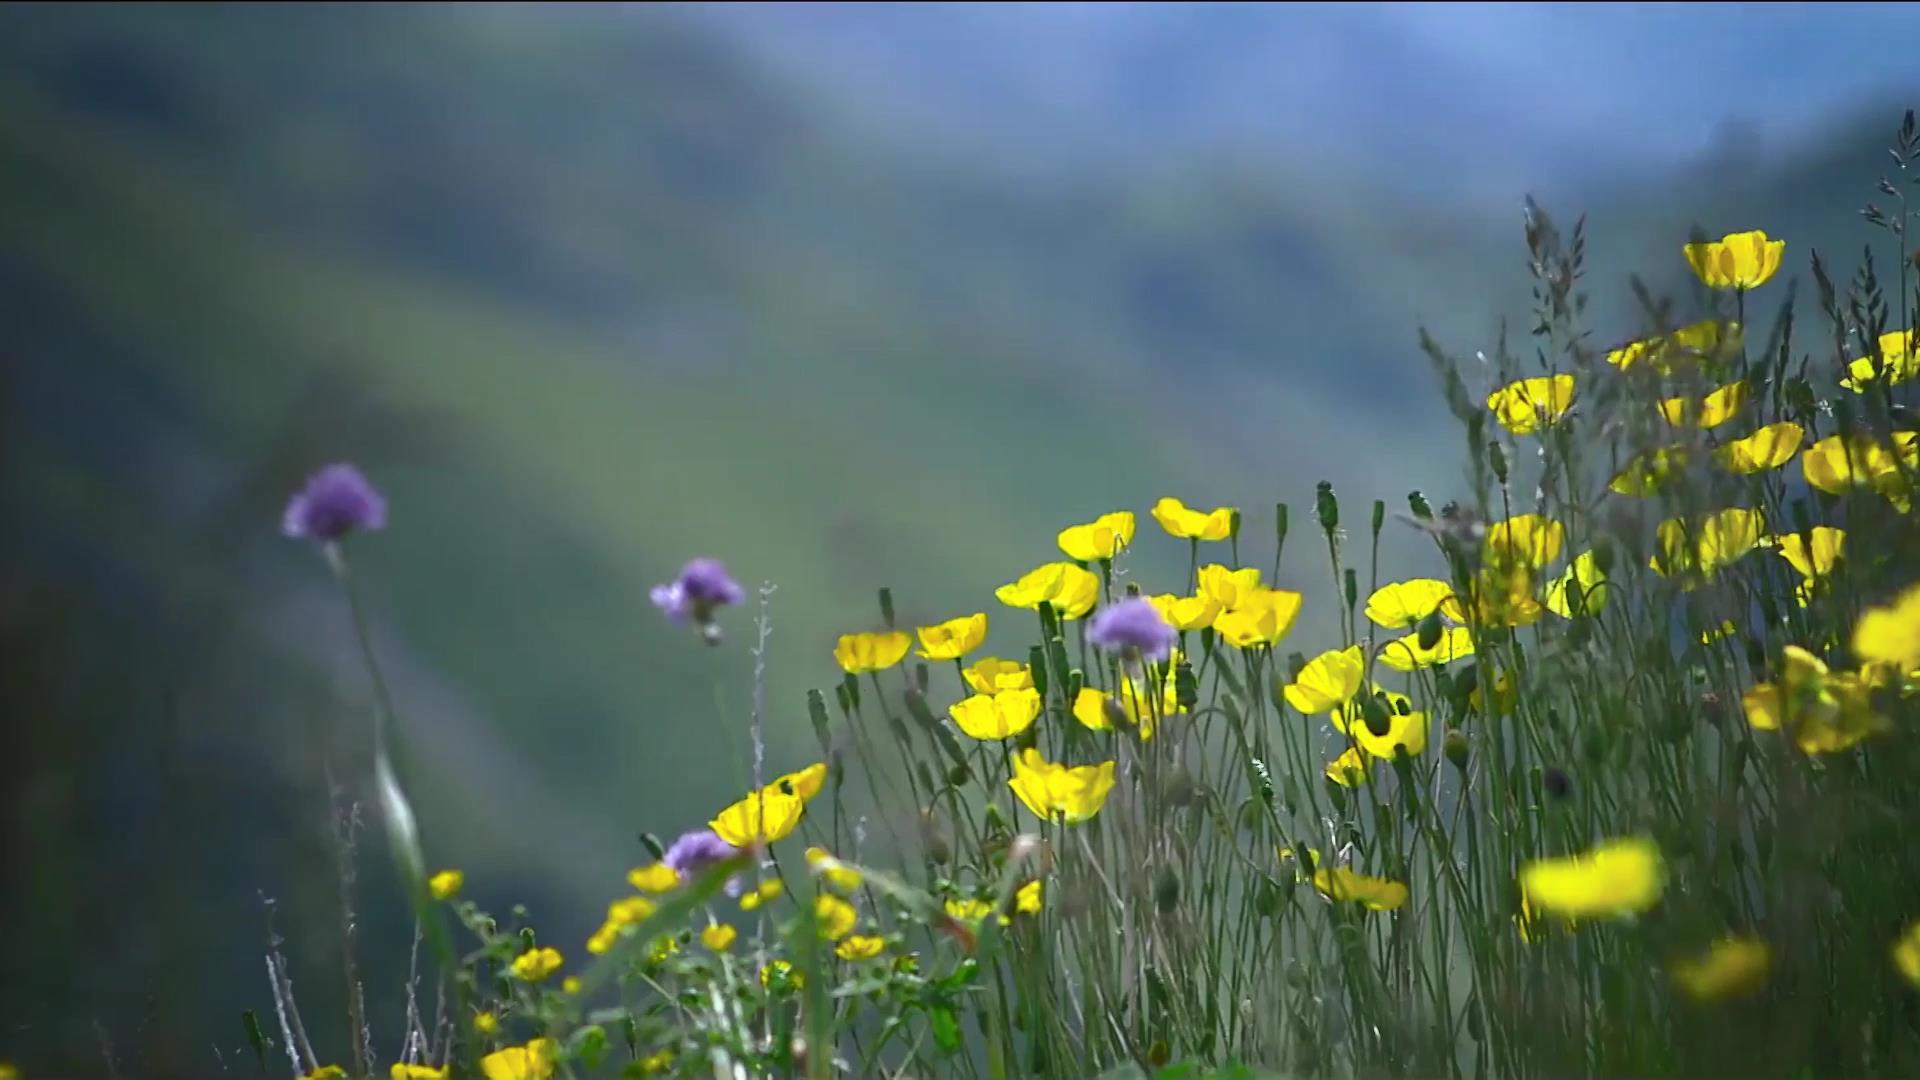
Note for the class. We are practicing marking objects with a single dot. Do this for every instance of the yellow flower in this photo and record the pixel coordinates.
(1906, 953)
(535, 965)
(1404, 603)
(860, 947)
(838, 874)
(990, 675)
(1703, 339)
(969, 910)
(861, 653)
(764, 816)
(657, 878)
(767, 890)
(1186, 612)
(445, 885)
(533, 1061)
(718, 937)
(1649, 472)
(1349, 769)
(1837, 464)
(1030, 897)
(1405, 653)
(486, 1023)
(327, 1072)
(1731, 967)
(779, 974)
(1102, 538)
(834, 917)
(1328, 680)
(1173, 516)
(1891, 634)
(1825, 712)
(1711, 411)
(1614, 879)
(401, 1072)
(954, 638)
(1263, 618)
(662, 947)
(1343, 884)
(1737, 260)
(1813, 560)
(1070, 794)
(1496, 598)
(1527, 540)
(1403, 726)
(806, 783)
(1899, 361)
(656, 1062)
(1582, 582)
(1228, 588)
(1700, 550)
(999, 716)
(1524, 407)
(1504, 694)
(1768, 448)
(570, 985)
(1071, 589)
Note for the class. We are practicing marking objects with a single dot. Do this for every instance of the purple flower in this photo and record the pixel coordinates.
(703, 585)
(336, 501)
(697, 850)
(1133, 628)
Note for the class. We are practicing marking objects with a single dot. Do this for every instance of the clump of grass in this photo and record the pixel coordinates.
(1613, 783)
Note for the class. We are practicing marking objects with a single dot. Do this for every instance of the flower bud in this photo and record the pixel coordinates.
(1166, 890)
(1326, 506)
(1455, 746)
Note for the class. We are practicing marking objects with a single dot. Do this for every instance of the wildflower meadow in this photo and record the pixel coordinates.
(1614, 781)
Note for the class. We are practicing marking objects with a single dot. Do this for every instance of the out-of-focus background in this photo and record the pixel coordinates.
(848, 296)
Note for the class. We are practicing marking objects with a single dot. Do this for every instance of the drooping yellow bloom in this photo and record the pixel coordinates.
(1262, 618)
(1173, 516)
(1343, 884)
(1616, 878)
(1699, 550)
(954, 638)
(1228, 588)
(1814, 560)
(1731, 967)
(1405, 653)
(1825, 712)
(1737, 260)
(860, 947)
(837, 874)
(1186, 612)
(1101, 538)
(1029, 899)
(861, 653)
(834, 917)
(718, 937)
(535, 965)
(806, 783)
(1906, 953)
(1707, 339)
(1899, 360)
(1404, 728)
(1349, 769)
(398, 1071)
(1071, 589)
(1070, 794)
(768, 890)
(780, 975)
(1583, 583)
(1837, 464)
(765, 816)
(1328, 680)
(990, 675)
(656, 878)
(1526, 540)
(1404, 603)
(1768, 448)
(1647, 473)
(997, 716)
(1496, 598)
(1524, 407)
(445, 885)
(1891, 634)
(1711, 411)
(534, 1061)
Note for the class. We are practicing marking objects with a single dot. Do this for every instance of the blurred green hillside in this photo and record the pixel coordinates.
(587, 293)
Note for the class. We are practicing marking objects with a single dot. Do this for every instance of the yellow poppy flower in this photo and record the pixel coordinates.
(1649, 472)
(1186, 612)
(1345, 885)
(1711, 411)
(657, 878)
(1405, 653)
(1906, 953)
(1101, 538)
(1071, 794)
(445, 885)
(1524, 407)
(1404, 603)
(860, 947)
(1228, 588)
(326, 1072)
(999, 716)
(1349, 769)
(1899, 361)
(1527, 540)
(838, 874)
(534, 1061)
(806, 783)
(834, 917)
(1029, 899)
(954, 638)
(1731, 967)
(1825, 712)
(1813, 560)
(1737, 260)
(990, 675)
(1700, 550)
(767, 891)
(1581, 581)
(535, 965)
(1891, 634)
(1837, 464)
(1263, 618)
(398, 1071)
(1768, 448)
(1614, 879)
(718, 937)
(1328, 680)
(762, 817)
(1173, 516)
(1496, 598)
(780, 974)
(1070, 589)
(861, 653)
(1707, 339)
(1405, 727)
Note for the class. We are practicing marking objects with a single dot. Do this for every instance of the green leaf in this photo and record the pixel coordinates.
(946, 1029)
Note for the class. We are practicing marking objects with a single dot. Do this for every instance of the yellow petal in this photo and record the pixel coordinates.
(1405, 653)
(1768, 448)
(1891, 634)
(990, 675)
(1349, 769)
(1616, 878)
(1375, 894)
(1263, 618)
(657, 878)
(1581, 582)
(998, 716)
(954, 638)
(1070, 794)
(718, 937)
(1102, 538)
(763, 817)
(1186, 612)
(1328, 680)
(1404, 603)
(1715, 409)
(1228, 588)
(1173, 516)
(1523, 407)
(1899, 360)
(860, 947)
(861, 653)
(1527, 540)
(1906, 953)
(1708, 340)
(1731, 967)
(1736, 261)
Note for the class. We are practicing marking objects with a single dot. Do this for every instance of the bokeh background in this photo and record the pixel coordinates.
(848, 296)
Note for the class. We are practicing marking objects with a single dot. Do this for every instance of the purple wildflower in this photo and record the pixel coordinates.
(697, 850)
(1134, 629)
(336, 501)
(703, 585)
